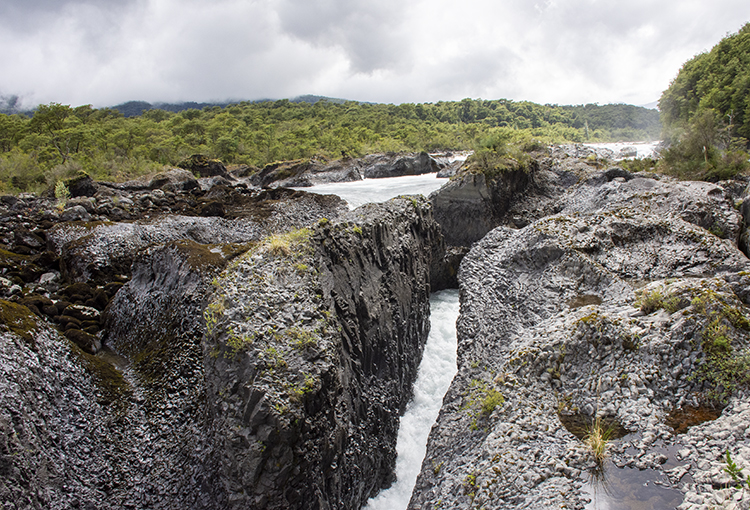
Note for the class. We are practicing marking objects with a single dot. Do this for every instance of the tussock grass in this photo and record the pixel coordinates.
(597, 439)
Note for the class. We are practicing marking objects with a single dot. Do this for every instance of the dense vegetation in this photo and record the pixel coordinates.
(706, 112)
(59, 140)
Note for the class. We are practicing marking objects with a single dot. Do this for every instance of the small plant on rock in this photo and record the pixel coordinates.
(597, 439)
(651, 300)
(279, 245)
(738, 477)
(212, 314)
(62, 194)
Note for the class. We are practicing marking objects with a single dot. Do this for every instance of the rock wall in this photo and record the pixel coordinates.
(623, 307)
(52, 452)
(268, 375)
(472, 204)
(316, 349)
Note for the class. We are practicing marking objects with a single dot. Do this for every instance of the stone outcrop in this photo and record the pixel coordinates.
(304, 173)
(204, 166)
(396, 165)
(98, 251)
(557, 329)
(316, 348)
(272, 374)
(472, 204)
(550, 326)
(53, 454)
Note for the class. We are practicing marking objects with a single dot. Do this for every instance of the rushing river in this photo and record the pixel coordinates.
(439, 359)
(435, 374)
(361, 192)
(438, 367)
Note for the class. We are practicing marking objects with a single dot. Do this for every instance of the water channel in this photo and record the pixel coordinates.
(617, 489)
(439, 359)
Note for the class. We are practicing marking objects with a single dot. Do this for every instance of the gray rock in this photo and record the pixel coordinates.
(75, 213)
(520, 320)
(396, 165)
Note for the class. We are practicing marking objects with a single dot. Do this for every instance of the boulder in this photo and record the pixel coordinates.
(86, 341)
(174, 180)
(204, 166)
(396, 165)
(81, 186)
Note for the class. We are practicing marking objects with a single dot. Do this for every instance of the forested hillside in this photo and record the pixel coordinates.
(60, 139)
(718, 80)
(706, 112)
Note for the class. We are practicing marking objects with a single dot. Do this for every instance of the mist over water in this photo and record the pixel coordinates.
(435, 375)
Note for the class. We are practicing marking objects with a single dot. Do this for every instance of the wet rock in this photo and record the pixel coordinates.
(82, 313)
(86, 341)
(50, 387)
(287, 172)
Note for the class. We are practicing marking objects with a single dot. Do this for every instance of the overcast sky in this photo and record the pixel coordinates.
(105, 52)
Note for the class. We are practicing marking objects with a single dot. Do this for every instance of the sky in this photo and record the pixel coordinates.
(105, 52)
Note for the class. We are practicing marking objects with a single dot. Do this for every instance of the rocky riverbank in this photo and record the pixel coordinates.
(623, 301)
(224, 342)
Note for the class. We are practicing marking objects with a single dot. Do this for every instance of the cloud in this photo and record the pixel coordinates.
(574, 51)
(371, 34)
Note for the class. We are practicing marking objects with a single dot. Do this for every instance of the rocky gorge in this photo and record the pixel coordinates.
(206, 339)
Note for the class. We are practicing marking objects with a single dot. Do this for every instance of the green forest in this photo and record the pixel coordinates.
(706, 112)
(58, 140)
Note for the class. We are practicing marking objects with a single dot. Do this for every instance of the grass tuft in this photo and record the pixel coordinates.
(597, 439)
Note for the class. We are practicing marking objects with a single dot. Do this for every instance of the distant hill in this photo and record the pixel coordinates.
(11, 105)
(135, 108)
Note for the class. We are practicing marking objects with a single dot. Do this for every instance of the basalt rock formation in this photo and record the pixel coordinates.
(185, 342)
(255, 359)
(312, 351)
(304, 173)
(626, 307)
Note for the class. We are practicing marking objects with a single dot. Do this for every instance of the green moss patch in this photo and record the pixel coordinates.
(19, 320)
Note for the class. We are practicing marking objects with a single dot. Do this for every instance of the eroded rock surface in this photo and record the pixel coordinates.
(315, 349)
(261, 375)
(556, 323)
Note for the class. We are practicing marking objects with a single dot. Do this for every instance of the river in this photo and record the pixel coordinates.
(361, 192)
(435, 375)
(438, 364)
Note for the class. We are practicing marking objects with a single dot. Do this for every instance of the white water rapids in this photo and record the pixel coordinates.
(361, 192)
(435, 375)
(438, 364)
